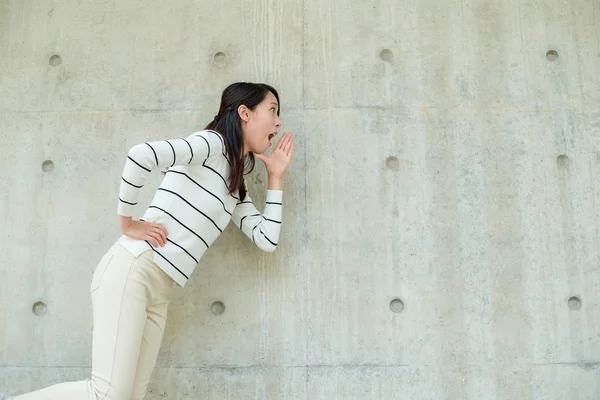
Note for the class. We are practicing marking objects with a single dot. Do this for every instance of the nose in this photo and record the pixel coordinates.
(278, 124)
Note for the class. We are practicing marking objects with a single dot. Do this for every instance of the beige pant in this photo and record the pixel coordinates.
(130, 297)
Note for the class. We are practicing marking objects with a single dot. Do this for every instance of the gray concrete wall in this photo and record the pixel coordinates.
(443, 158)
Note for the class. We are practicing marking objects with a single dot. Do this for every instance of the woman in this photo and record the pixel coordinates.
(203, 189)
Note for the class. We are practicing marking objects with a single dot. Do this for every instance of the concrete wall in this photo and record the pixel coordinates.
(443, 159)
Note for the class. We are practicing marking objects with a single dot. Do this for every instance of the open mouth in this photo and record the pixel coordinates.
(271, 136)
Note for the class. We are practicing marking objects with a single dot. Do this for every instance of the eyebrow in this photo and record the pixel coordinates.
(275, 104)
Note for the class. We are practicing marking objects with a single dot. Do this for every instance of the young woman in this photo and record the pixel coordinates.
(203, 189)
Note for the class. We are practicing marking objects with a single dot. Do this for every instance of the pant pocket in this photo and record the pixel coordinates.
(100, 269)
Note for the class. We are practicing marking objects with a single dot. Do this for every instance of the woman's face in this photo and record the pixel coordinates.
(260, 125)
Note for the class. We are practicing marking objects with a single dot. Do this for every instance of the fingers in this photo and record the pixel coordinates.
(152, 238)
(287, 145)
(162, 234)
(156, 234)
(161, 229)
(280, 142)
(283, 141)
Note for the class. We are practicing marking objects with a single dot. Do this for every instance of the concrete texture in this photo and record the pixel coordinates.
(443, 158)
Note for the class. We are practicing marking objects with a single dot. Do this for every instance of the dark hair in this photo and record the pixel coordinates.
(227, 123)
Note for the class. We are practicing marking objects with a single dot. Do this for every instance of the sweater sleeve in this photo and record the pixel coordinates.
(264, 228)
(143, 158)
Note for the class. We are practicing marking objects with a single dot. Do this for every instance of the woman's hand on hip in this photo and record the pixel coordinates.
(280, 157)
(142, 230)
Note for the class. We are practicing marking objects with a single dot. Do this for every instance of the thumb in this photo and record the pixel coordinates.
(262, 158)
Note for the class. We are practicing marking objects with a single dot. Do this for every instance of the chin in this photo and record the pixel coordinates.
(263, 150)
(260, 151)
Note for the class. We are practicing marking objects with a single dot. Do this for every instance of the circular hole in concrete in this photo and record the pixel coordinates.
(47, 166)
(220, 58)
(217, 308)
(55, 60)
(392, 162)
(386, 55)
(574, 303)
(552, 55)
(397, 305)
(562, 160)
(39, 308)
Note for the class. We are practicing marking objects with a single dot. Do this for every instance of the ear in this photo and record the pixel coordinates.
(244, 113)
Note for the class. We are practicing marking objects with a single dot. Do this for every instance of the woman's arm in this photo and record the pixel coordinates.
(143, 158)
(264, 228)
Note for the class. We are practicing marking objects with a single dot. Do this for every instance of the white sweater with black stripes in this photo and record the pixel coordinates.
(192, 202)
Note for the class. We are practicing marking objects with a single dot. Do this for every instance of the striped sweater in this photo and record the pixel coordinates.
(192, 202)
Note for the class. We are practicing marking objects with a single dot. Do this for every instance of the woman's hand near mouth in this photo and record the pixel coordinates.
(277, 163)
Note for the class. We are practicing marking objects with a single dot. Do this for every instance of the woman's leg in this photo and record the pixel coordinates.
(118, 294)
(161, 288)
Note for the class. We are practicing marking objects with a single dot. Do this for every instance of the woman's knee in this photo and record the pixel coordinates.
(104, 390)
